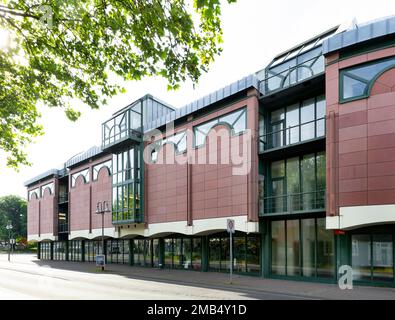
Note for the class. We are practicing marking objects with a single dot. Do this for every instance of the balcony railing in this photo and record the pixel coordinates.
(292, 135)
(293, 203)
(127, 125)
(63, 227)
(291, 73)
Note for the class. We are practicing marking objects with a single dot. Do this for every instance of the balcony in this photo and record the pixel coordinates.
(123, 128)
(292, 135)
(305, 202)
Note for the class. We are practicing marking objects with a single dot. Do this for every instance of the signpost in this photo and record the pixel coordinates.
(230, 226)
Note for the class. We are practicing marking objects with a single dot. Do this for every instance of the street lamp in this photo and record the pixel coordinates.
(102, 208)
(9, 228)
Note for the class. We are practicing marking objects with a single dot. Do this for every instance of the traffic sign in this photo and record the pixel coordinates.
(230, 225)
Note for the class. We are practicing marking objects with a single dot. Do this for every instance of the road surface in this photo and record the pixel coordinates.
(27, 278)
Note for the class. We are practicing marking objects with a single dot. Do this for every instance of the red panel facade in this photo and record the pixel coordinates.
(360, 139)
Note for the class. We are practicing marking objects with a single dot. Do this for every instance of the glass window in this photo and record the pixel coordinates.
(187, 253)
(215, 254)
(308, 182)
(196, 253)
(237, 120)
(253, 255)
(361, 257)
(356, 80)
(239, 258)
(50, 186)
(168, 243)
(325, 250)
(278, 169)
(383, 263)
(308, 238)
(278, 247)
(293, 245)
(35, 191)
(84, 173)
(96, 168)
(178, 258)
(293, 182)
(307, 116)
(320, 114)
(292, 124)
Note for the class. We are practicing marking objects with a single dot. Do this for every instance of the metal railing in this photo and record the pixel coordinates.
(63, 227)
(292, 134)
(293, 203)
(292, 75)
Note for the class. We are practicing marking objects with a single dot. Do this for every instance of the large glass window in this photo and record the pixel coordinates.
(295, 123)
(372, 257)
(296, 184)
(246, 253)
(126, 186)
(237, 121)
(356, 81)
(278, 248)
(302, 247)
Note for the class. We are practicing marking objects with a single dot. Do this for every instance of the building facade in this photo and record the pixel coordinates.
(301, 155)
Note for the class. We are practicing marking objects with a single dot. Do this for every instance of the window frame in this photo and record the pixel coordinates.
(369, 83)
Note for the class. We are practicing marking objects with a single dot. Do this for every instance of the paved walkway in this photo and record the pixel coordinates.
(247, 286)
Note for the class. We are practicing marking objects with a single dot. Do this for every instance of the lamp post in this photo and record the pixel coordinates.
(102, 208)
(9, 228)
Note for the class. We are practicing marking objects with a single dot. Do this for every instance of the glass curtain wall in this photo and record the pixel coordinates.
(59, 250)
(118, 251)
(296, 184)
(142, 252)
(302, 247)
(295, 123)
(75, 250)
(126, 186)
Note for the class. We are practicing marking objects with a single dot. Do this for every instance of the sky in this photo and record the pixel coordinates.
(254, 32)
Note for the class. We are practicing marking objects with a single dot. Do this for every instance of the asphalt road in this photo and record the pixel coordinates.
(23, 278)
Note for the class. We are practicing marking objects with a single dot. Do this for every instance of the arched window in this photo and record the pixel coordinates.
(357, 81)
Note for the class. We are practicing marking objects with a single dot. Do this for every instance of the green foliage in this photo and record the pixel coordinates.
(13, 209)
(66, 49)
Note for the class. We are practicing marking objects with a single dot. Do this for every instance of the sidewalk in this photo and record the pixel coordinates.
(247, 284)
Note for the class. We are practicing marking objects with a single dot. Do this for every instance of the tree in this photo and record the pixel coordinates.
(13, 209)
(62, 50)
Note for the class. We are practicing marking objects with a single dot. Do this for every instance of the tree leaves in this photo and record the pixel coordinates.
(65, 49)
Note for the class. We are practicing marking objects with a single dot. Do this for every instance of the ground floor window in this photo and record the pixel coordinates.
(45, 250)
(246, 253)
(92, 248)
(183, 253)
(118, 251)
(75, 250)
(142, 252)
(59, 250)
(372, 257)
(302, 247)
